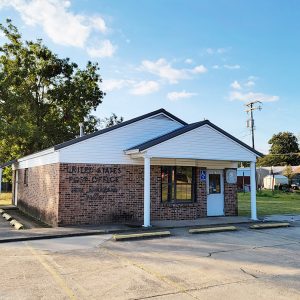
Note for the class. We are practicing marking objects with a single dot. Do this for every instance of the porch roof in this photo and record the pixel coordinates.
(163, 138)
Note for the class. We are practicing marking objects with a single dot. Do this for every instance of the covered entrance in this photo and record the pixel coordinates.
(206, 146)
(215, 193)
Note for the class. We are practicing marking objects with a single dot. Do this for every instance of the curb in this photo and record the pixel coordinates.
(213, 229)
(269, 225)
(16, 224)
(13, 222)
(90, 233)
(144, 235)
(57, 236)
(7, 216)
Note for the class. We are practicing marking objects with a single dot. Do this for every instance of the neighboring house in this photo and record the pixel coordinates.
(296, 178)
(271, 181)
(153, 167)
(261, 173)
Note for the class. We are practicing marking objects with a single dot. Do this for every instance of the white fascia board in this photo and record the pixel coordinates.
(132, 151)
(37, 154)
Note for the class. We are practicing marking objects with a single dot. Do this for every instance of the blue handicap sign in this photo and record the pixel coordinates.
(202, 175)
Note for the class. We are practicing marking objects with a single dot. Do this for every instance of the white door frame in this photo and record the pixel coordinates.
(218, 198)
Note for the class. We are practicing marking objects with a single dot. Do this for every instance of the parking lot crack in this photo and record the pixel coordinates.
(248, 273)
(210, 254)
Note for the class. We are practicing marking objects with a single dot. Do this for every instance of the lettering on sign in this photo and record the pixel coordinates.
(100, 180)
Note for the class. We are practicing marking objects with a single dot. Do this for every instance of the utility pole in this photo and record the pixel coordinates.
(250, 122)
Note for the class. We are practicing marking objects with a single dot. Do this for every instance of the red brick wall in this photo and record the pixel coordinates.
(64, 194)
(86, 197)
(40, 197)
(84, 200)
(230, 195)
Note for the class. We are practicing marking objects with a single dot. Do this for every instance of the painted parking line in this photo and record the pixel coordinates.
(55, 275)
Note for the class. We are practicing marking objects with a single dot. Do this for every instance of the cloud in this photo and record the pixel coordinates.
(235, 85)
(105, 49)
(165, 71)
(199, 70)
(145, 88)
(212, 51)
(216, 67)
(249, 83)
(110, 85)
(188, 61)
(61, 25)
(99, 24)
(251, 96)
(232, 67)
(173, 96)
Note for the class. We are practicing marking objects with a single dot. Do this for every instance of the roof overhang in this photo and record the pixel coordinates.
(8, 163)
(138, 150)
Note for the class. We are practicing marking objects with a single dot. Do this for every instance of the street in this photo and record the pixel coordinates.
(246, 264)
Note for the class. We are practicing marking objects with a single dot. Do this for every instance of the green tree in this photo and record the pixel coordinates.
(43, 98)
(284, 151)
(111, 121)
(288, 172)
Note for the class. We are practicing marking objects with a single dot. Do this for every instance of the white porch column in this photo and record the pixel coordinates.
(253, 190)
(146, 191)
(0, 179)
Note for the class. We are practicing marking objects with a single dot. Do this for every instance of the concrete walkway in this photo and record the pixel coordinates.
(281, 218)
(11, 235)
(209, 221)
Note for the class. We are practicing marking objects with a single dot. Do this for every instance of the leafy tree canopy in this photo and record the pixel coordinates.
(111, 121)
(284, 151)
(288, 172)
(43, 98)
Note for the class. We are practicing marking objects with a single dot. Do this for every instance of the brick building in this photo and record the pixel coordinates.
(153, 167)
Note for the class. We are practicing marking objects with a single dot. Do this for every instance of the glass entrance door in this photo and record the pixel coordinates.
(215, 193)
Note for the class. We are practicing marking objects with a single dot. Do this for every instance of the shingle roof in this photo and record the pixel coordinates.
(182, 130)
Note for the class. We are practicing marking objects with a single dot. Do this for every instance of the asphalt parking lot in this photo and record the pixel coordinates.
(246, 264)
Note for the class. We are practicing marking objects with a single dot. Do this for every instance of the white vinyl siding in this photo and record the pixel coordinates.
(35, 160)
(203, 143)
(108, 148)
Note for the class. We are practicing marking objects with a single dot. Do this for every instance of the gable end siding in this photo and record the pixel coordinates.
(109, 148)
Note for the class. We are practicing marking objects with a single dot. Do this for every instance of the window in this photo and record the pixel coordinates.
(25, 176)
(214, 183)
(177, 184)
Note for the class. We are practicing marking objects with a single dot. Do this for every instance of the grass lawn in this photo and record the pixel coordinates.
(269, 204)
(5, 198)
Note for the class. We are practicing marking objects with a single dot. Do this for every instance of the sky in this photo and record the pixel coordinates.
(197, 59)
